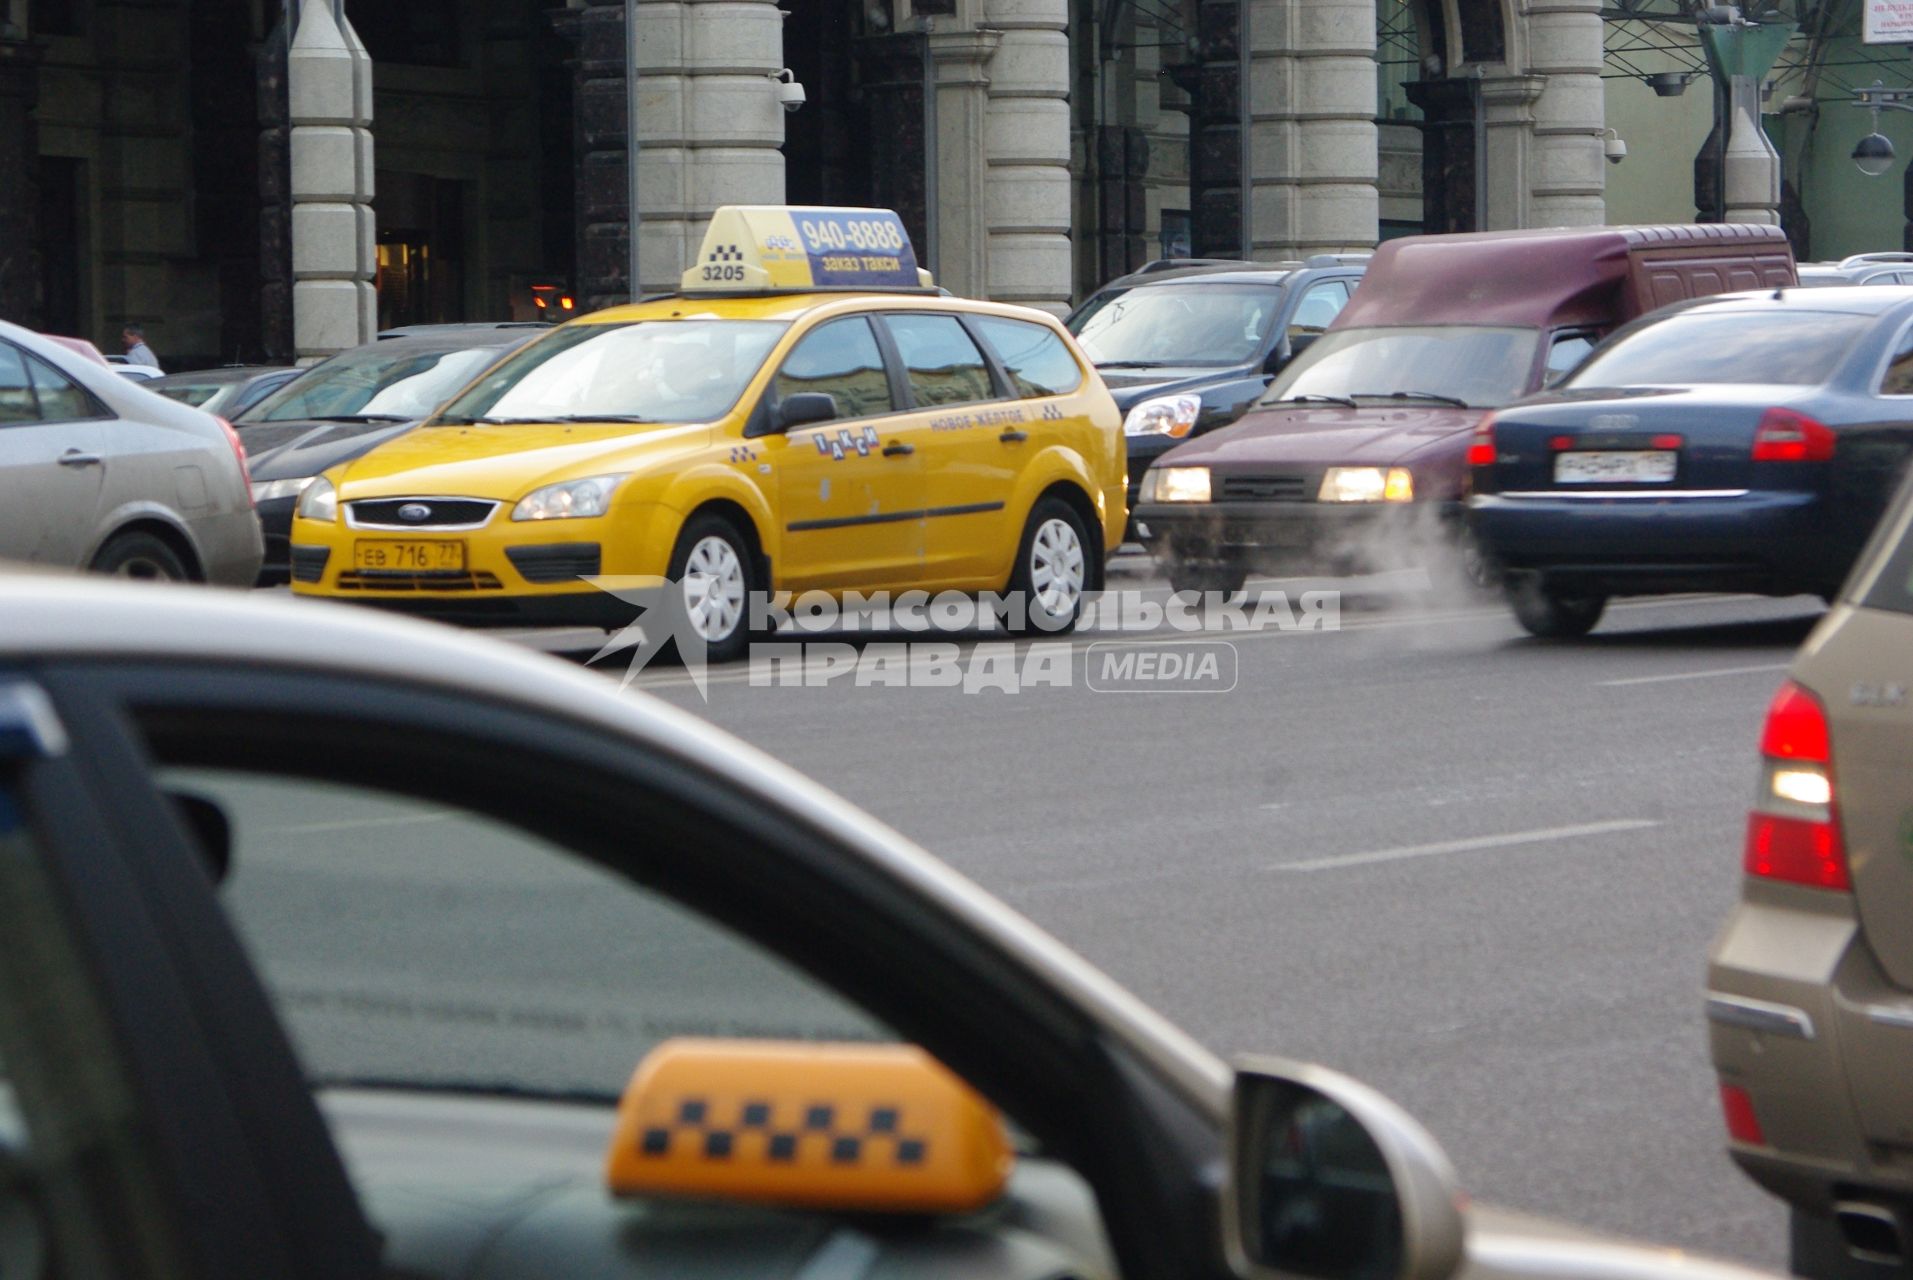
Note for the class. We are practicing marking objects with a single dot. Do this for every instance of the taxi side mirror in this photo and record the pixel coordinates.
(805, 407)
(1328, 1180)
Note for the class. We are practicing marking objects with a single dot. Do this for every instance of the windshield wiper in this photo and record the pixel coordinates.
(1315, 398)
(1416, 395)
(1131, 364)
(360, 417)
(466, 420)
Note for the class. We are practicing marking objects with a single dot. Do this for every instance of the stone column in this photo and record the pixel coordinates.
(1312, 142)
(1510, 154)
(960, 60)
(1567, 182)
(1026, 145)
(709, 129)
(20, 194)
(329, 84)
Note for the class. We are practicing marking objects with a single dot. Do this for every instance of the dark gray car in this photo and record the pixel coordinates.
(351, 404)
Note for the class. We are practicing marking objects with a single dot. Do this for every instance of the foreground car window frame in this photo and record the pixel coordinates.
(791, 887)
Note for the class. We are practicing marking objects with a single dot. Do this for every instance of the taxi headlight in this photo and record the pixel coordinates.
(1163, 416)
(568, 500)
(1177, 484)
(271, 490)
(320, 501)
(1367, 484)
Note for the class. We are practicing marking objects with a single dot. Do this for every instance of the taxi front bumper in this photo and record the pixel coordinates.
(504, 574)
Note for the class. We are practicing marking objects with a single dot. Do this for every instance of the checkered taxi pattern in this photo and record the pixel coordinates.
(757, 1131)
(841, 1126)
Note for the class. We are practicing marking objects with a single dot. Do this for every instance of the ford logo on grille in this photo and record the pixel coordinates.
(415, 513)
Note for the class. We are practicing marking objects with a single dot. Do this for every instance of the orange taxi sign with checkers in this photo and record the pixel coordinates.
(841, 1126)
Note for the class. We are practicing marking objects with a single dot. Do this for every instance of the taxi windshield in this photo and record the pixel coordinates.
(1478, 366)
(644, 371)
(374, 382)
(1180, 325)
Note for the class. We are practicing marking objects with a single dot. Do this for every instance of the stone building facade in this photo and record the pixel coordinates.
(279, 178)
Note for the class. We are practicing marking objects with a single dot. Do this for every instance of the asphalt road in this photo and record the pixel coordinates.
(1478, 871)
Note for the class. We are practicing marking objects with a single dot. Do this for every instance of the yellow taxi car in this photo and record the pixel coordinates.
(809, 412)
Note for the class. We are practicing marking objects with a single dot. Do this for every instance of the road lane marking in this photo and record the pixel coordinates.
(1406, 852)
(1695, 675)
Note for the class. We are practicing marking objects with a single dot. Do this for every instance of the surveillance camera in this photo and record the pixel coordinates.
(790, 94)
(1615, 150)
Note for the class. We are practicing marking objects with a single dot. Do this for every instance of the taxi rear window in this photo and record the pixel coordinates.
(1035, 358)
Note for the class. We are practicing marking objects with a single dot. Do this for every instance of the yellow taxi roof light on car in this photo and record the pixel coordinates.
(834, 1126)
(800, 249)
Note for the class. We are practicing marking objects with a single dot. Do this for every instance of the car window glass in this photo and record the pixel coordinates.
(17, 402)
(1036, 359)
(1898, 378)
(1566, 351)
(1706, 347)
(1480, 366)
(375, 380)
(943, 365)
(411, 943)
(1318, 307)
(663, 371)
(1180, 324)
(839, 359)
(61, 400)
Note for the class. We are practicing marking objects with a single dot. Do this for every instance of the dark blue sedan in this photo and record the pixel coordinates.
(1744, 442)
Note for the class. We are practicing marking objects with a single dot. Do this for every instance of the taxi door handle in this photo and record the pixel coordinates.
(1014, 436)
(75, 458)
(897, 449)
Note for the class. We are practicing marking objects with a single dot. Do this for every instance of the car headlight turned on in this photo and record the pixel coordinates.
(272, 490)
(1171, 416)
(1367, 484)
(569, 500)
(320, 501)
(1176, 484)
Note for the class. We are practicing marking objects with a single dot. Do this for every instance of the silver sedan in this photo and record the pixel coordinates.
(96, 472)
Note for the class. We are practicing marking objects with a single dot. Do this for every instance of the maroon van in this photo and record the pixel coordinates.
(1354, 459)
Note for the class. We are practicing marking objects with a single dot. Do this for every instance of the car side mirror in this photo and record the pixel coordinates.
(805, 407)
(209, 829)
(1328, 1180)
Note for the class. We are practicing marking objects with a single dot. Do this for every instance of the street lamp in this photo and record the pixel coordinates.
(1874, 153)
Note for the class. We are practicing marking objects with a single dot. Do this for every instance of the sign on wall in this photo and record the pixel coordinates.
(1888, 21)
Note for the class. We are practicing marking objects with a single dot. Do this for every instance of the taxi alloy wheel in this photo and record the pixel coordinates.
(1053, 567)
(713, 586)
(715, 575)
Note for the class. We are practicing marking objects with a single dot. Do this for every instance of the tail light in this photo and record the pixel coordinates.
(1481, 445)
(1737, 1108)
(239, 452)
(1793, 833)
(1786, 436)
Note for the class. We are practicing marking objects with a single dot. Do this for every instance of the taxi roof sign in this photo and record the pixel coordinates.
(804, 249)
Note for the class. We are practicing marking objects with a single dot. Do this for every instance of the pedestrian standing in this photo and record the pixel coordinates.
(133, 338)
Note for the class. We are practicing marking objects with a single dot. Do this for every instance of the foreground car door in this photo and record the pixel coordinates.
(412, 871)
(152, 1122)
